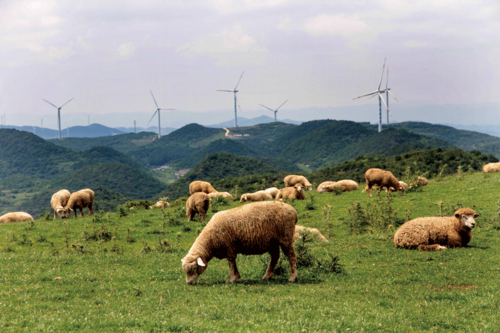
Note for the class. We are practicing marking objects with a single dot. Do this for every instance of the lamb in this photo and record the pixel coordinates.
(273, 191)
(257, 196)
(226, 195)
(295, 192)
(291, 180)
(491, 167)
(299, 228)
(437, 233)
(58, 201)
(15, 217)
(80, 200)
(381, 178)
(201, 186)
(421, 181)
(198, 203)
(321, 186)
(346, 185)
(255, 228)
(160, 204)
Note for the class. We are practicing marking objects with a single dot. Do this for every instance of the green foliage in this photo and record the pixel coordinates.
(219, 201)
(122, 142)
(310, 202)
(139, 204)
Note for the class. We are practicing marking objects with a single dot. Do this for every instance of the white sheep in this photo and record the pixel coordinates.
(291, 180)
(15, 217)
(58, 203)
(295, 192)
(257, 196)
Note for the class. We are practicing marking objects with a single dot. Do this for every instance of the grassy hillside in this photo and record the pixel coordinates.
(110, 273)
(261, 134)
(122, 142)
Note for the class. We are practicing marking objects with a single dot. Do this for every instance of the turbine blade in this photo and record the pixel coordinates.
(66, 103)
(239, 80)
(266, 107)
(387, 78)
(383, 101)
(49, 103)
(154, 114)
(225, 90)
(372, 93)
(154, 99)
(393, 96)
(167, 109)
(382, 75)
(281, 105)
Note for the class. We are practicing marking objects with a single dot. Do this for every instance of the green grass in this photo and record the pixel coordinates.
(116, 285)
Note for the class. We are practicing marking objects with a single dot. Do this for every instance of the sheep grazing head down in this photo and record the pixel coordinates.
(401, 190)
(193, 268)
(467, 216)
(63, 213)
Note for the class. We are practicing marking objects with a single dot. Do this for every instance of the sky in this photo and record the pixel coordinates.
(442, 55)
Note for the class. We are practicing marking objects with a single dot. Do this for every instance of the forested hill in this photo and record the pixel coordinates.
(121, 142)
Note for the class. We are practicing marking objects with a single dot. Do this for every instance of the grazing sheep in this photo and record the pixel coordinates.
(321, 187)
(437, 233)
(295, 192)
(491, 167)
(255, 228)
(226, 195)
(201, 186)
(198, 203)
(402, 183)
(58, 201)
(160, 204)
(381, 178)
(299, 228)
(291, 180)
(80, 200)
(15, 217)
(273, 191)
(346, 185)
(421, 181)
(257, 196)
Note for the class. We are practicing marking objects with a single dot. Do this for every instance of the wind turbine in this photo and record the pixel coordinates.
(235, 100)
(387, 92)
(41, 119)
(58, 114)
(88, 117)
(380, 99)
(157, 110)
(275, 111)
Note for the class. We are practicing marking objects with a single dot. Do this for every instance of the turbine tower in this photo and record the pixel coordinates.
(157, 111)
(41, 119)
(380, 99)
(88, 117)
(275, 111)
(235, 100)
(387, 92)
(58, 114)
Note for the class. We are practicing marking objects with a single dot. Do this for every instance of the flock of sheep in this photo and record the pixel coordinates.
(266, 226)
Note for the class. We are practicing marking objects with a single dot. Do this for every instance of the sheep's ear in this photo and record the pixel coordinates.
(200, 262)
(457, 216)
(59, 210)
(476, 215)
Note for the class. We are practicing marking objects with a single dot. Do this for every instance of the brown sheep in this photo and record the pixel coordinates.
(346, 185)
(421, 181)
(160, 204)
(80, 200)
(15, 217)
(381, 178)
(491, 167)
(295, 192)
(58, 202)
(299, 228)
(256, 228)
(198, 203)
(321, 187)
(291, 180)
(273, 191)
(226, 195)
(257, 196)
(437, 233)
(201, 186)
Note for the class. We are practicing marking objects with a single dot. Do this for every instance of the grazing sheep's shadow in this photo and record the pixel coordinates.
(477, 247)
(303, 281)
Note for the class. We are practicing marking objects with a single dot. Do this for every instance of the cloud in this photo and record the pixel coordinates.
(331, 25)
(126, 50)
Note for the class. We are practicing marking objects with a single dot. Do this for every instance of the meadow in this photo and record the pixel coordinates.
(121, 271)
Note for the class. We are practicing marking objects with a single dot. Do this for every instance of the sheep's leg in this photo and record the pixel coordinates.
(234, 275)
(289, 251)
(433, 247)
(81, 212)
(91, 210)
(55, 216)
(275, 256)
(369, 189)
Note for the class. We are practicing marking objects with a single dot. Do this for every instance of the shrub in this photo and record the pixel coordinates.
(138, 203)
(310, 202)
(219, 201)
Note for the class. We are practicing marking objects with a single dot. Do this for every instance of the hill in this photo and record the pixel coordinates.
(153, 129)
(215, 167)
(244, 122)
(90, 131)
(260, 135)
(121, 142)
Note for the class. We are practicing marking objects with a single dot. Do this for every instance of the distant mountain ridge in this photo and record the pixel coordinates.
(242, 122)
(90, 131)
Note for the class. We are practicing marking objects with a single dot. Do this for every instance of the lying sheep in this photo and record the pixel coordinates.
(421, 181)
(58, 202)
(198, 203)
(257, 196)
(291, 180)
(255, 228)
(491, 167)
(226, 195)
(346, 185)
(80, 200)
(15, 217)
(437, 233)
(273, 191)
(201, 186)
(402, 183)
(381, 178)
(322, 187)
(295, 192)
(160, 204)
(299, 228)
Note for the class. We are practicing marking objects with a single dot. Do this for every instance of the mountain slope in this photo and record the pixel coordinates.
(242, 122)
(121, 142)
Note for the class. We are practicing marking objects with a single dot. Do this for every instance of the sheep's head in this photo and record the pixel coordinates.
(323, 189)
(401, 190)
(467, 216)
(193, 267)
(309, 186)
(63, 212)
(243, 197)
(298, 187)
